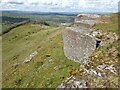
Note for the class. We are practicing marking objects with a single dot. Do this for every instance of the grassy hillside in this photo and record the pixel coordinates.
(111, 26)
(11, 19)
(48, 69)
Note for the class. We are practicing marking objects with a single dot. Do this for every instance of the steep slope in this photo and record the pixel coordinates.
(47, 69)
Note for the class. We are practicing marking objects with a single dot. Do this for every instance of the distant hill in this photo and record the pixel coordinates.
(11, 18)
(42, 13)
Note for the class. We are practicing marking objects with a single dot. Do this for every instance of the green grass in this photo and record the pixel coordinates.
(40, 72)
(54, 19)
(20, 42)
(111, 26)
(0, 61)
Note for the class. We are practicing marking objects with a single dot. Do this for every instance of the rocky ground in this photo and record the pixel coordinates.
(101, 69)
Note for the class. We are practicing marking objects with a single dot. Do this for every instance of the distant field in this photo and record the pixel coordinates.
(10, 19)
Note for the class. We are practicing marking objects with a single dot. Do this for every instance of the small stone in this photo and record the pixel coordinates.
(47, 55)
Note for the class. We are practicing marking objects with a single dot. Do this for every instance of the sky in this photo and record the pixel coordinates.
(60, 5)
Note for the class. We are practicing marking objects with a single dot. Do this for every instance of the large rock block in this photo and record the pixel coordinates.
(78, 43)
(87, 20)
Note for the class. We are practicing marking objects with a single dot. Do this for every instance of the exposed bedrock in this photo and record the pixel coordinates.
(90, 20)
(79, 43)
(87, 20)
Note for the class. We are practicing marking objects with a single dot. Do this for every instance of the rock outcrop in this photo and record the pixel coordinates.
(98, 65)
(90, 20)
(79, 43)
(87, 20)
(73, 83)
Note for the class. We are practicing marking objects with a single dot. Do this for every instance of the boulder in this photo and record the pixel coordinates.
(87, 20)
(88, 16)
(78, 43)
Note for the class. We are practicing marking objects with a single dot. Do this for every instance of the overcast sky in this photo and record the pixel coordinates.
(60, 5)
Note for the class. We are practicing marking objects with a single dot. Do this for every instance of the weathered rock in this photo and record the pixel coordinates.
(93, 16)
(111, 68)
(105, 18)
(72, 83)
(78, 43)
(28, 59)
(87, 20)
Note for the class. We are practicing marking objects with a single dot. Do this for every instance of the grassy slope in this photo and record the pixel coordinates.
(20, 43)
(0, 61)
(111, 26)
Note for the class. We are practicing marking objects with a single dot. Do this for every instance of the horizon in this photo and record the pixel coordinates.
(38, 12)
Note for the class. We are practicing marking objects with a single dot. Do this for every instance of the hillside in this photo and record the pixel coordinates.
(98, 33)
(50, 61)
(49, 66)
(11, 18)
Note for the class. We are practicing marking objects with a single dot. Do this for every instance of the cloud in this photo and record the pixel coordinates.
(15, 3)
(61, 5)
(99, 5)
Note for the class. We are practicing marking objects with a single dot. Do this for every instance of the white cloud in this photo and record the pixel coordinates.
(61, 5)
(99, 5)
